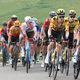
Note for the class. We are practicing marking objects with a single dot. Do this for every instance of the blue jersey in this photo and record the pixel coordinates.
(38, 28)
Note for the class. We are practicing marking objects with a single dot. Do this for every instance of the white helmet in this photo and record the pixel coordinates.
(27, 18)
(13, 16)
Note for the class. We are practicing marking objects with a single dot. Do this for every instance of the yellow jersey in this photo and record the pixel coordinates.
(55, 25)
(71, 26)
(65, 25)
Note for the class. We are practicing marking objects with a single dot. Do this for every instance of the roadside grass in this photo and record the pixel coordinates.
(37, 8)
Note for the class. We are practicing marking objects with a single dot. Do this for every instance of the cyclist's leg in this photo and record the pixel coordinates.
(22, 52)
(76, 52)
(49, 48)
(44, 51)
(70, 44)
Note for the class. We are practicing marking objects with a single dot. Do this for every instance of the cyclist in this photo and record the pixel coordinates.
(44, 33)
(28, 29)
(56, 29)
(71, 25)
(3, 32)
(13, 36)
(11, 21)
(4, 38)
(77, 45)
(46, 23)
(37, 38)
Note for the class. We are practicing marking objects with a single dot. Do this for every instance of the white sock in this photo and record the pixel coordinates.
(43, 58)
(22, 51)
(47, 57)
(76, 52)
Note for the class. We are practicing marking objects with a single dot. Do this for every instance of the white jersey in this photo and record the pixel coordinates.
(24, 28)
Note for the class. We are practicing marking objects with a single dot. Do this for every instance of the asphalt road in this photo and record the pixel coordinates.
(35, 73)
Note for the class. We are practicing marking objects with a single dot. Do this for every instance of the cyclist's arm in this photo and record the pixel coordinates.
(23, 31)
(77, 25)
(45, 24)
(9, 35)
(51, 27)
(67, 27)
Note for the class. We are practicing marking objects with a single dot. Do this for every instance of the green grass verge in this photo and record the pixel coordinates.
(37, 8)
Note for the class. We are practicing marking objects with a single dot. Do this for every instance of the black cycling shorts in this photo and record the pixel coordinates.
(70, 44)
(57, 34)
(14, 39)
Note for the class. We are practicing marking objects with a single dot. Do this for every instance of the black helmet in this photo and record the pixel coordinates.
(4, 24)
(52, 14)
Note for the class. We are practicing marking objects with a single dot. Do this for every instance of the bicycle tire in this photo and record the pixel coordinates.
(27, 66)
(62, 68)
(15, 62)
(4, 57)
(15, 57)
(76, 71)
(55, 67)
(46, 66)
(67, 64)
(49, 69)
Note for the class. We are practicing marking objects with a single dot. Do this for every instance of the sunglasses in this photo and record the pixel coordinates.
(72, 16)
(61, 16)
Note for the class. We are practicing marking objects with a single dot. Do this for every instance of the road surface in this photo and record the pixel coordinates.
(35, 73)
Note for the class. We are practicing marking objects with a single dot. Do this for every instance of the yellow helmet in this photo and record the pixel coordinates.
(17, 23)
(61, 12)
(72, 12)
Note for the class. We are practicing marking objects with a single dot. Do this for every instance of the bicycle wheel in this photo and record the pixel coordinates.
(4, 56)
(62, 67)
(49, 69)
(27, 66)
(23, 61)
(35, 58)
(67, 64)
(50, 66)
(62, 64)
(55, 66)
(76, 71)
(12, 62)
(15, 62)
(46, 67)
(15, 57)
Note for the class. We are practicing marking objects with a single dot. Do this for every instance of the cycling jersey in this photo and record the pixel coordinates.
(46, 23)
(10, 23)
(57, 28)
(71, 26)
(55, 25)
(3, 30)
(45, 26)
(3, 33)
(26, 30)
(14, 31)
(38, 28)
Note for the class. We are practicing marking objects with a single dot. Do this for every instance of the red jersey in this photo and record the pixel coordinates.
(46, 23)
(3, 30)
(10, 23)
